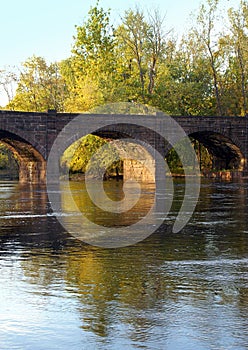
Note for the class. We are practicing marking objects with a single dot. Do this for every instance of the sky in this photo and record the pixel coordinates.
(46, 27)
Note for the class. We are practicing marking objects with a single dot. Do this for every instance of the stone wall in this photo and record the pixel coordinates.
(37, 132)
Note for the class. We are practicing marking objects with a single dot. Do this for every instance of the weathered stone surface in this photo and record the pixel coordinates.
(31, 136)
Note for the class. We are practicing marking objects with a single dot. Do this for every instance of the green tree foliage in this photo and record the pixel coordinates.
(140, 47)
(40, 87)
(78, 157)
(3, 160)
(203, 73)
(235, 50)
(184, 80)
(90, 72)
(205, 31)
(8, 163)
(204, 158)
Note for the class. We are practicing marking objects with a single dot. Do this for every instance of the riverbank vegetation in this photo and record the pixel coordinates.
(141, 60)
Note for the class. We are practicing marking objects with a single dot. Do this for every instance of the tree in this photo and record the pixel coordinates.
(76, 158)
(40, 87)
(156, 45)
(204, 74)
(90, 72)
(239, 43)
(141, 44)
(133, 33)
(205, 31)
(8, 81)
(183, 84)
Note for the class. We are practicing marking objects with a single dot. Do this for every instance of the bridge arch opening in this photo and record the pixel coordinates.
(31, 164)
(74, 162)
(218, 151)
(9, 168)
(78, 156)
(137, 156)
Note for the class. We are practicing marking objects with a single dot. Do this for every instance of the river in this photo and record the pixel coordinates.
(187, 290)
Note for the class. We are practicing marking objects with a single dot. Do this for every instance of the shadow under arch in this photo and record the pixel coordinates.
(226, 153)
(32, 165)
(129, 140)
(137, 155)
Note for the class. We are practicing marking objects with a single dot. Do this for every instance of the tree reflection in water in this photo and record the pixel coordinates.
(171, 289)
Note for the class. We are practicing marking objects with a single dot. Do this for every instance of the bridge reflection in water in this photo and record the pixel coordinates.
(186, 290)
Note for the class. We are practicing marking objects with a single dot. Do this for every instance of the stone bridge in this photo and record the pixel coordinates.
(30, 136)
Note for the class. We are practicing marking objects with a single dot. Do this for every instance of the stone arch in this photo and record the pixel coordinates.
(145, 141)
(32, 165)
(31, 138)
(222, 147)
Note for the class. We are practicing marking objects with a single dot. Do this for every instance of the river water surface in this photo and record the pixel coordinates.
(171, 291)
